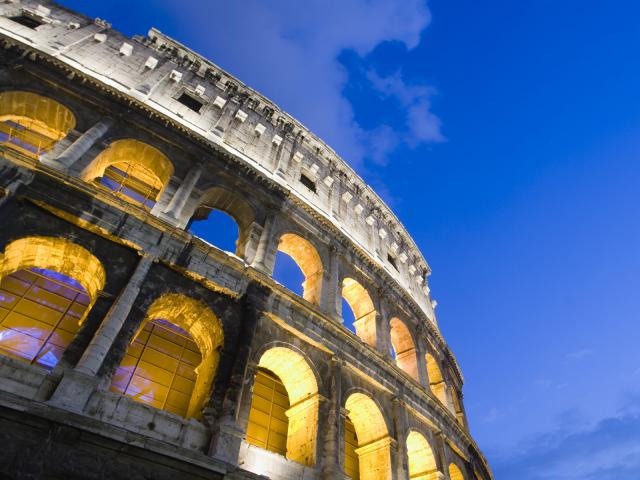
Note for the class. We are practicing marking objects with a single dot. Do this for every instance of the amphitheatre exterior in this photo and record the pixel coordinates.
(130, 348)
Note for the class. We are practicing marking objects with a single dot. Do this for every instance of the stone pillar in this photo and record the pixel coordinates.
(263, 244)
(228, 423)
(94, 355)
(78, 148)
(77, 385)
(332, 439)
(177, 203)
(383, 337)
(251, 242)
(331, 293)
(400, 427)
(421, 351)
(439, 452)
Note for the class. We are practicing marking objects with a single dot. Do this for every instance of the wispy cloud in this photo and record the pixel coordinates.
(422, 124)
(610, 450)
(289, 51)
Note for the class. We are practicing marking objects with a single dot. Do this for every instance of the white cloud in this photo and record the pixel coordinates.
(288, 50)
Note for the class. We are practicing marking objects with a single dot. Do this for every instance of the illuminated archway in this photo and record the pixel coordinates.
(374, 443)
(161, 368)
(232, 204)
(455, 473)
(363, 310)
(422, 462)
(436, 380)
(301, 413)
(47, 287)
(131, 169)
(307, 258)
(404, 347)
(32, 124)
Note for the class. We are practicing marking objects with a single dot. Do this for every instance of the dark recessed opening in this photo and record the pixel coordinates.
(392, 261)
(190, 102)
(26, 21)
(307, 182)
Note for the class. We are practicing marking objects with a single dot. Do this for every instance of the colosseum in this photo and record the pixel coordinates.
(133, 349)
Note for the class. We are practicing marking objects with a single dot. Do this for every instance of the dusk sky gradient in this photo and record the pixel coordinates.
(505, 135)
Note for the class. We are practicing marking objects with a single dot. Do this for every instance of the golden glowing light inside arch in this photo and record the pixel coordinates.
(302, 388)
(374, 443)
(197, 319)
(404, 347)
(32, 123)
(455, 473)
(436, 380)
(55, 254)
(146, 163)
(422, 463)
(307, 258)
(363, 310)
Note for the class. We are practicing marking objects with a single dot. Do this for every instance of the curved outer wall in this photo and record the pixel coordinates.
(287, 191)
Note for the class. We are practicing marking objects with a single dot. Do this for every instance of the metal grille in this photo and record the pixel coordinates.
(268, 422)
(40, 311)
(159, 368)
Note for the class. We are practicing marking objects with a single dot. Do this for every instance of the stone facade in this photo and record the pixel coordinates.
(213, 143)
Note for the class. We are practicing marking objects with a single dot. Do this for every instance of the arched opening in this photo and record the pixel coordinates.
(404, 347)
(455, 473)
(133, 170)
(218, 229)
(436, 380)
(422, 462)
(47, 287)
(364, 312)
(223, 218)
(284, 406)
(32, 124)
(172, 360)
(374, 443)
(308, 260)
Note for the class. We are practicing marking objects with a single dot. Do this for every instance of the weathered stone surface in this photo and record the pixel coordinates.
(240, 154)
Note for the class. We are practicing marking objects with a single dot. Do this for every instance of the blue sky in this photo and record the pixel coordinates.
(506, 136)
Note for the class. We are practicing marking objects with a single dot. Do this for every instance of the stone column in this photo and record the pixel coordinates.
(440, 454)
(400, 423)
(383, 329)
(94, 355)
(177, 203)
(229, 423)
(263, 244)
(421, 351)
(77, 385)
(78, 148)
(330, 292)
(332, 434)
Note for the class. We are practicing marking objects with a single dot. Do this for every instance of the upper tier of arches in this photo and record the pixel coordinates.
(141, 174)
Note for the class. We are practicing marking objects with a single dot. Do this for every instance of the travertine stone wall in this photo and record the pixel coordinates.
(243, 155)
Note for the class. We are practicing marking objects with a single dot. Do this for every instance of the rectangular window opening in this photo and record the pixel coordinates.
(307, 182)
(190, 102)
(27, 21)
(392, 261)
